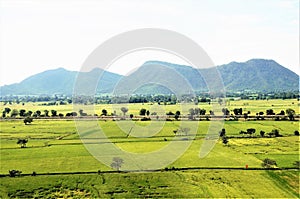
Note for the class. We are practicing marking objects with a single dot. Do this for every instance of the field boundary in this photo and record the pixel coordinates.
(157, 170)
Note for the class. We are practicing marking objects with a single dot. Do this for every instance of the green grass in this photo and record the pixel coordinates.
(188, 184)
(54, 146)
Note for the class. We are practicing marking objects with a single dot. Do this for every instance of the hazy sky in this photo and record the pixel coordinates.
(38, 35)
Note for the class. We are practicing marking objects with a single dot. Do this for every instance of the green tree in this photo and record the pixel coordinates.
(104, 112)
(143, 111)
(124, 110)
(7, 110)
(54, 113)
(27, 120)
(262, 133)
(22, 112)
(22, 142)
(290, 112)
(117, 163)
(29, 113)
(38, 113)
(46, 113)
(14, 113)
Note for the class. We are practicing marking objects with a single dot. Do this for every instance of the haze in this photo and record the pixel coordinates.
(40, 35)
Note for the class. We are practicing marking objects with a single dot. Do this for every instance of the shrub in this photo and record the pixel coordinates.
(268, 163)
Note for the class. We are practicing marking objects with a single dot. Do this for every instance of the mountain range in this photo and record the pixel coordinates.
(161, 77)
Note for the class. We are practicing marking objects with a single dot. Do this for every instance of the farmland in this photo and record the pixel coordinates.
(55, 147)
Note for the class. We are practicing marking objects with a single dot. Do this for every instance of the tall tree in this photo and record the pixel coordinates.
(104, 112)
(290, 112)
(124, 110)
(46, 113)
(143, 111)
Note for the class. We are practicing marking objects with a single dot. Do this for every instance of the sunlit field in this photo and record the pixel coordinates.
(54, 147)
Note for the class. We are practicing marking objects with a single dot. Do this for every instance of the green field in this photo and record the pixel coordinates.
(54, 147)
(176, 184)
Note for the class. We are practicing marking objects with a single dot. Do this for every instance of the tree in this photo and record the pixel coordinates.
(22, 142)
(170, 113)
(222, 133)
(262, 133)
(117, 163)
(238, 111)
(46, 113)
(27, 120)
(124, 110)
(202, 111)
(14, 173)
(54, 113)
(270, 112)
(192, 111)
(245, 116)
(131, 116)
(251, 131)
(7, 110)
(104, 112)
(290, 112)
(147, 112)
(22, 112)
(14, 113)
(143, 111)
(38, 113)
(29, 113)
(225, 111)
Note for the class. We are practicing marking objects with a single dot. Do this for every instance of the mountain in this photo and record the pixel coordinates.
(258, 74)
(163, 77)
(59, 81)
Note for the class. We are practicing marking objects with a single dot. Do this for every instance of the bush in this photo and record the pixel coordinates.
(268, 163)
(296, 133)
(14, 173)
(27, 120)
(145, 119)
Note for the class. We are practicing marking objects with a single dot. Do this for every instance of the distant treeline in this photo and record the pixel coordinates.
(139, 98)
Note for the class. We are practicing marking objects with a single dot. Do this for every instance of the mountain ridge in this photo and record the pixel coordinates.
(254, 74)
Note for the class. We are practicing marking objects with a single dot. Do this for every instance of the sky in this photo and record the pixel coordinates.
(39, 35)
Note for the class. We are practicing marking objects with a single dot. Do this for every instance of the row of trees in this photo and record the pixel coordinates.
(23, 113)
(7, 112)
(145, 98)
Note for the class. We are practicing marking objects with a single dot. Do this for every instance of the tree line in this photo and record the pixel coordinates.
(148, 98)
(192, 114)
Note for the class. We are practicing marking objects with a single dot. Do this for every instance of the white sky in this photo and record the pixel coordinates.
(38, 35)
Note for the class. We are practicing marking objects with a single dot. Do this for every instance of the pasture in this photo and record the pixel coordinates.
(54, 147)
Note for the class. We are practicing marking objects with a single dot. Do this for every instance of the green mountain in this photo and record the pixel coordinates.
(161, 77)
(59, 81)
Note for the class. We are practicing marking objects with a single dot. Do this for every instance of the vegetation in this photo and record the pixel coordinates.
(53, 146)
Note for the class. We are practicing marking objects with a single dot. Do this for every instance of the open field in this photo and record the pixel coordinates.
(54, 147)
(175, 184)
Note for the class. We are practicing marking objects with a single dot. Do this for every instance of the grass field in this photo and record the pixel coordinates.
(54, 146)
(178, 184)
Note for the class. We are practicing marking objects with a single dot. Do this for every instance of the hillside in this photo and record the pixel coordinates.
(162, 77)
